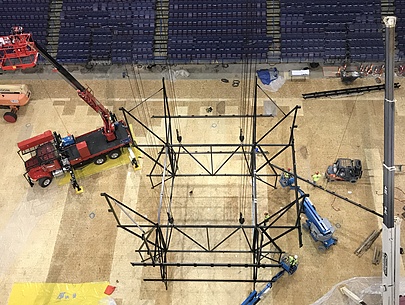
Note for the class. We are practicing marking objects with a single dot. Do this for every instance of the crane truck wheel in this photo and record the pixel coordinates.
(44, 181)
(10, 117)
(100, 160)
(114, 154)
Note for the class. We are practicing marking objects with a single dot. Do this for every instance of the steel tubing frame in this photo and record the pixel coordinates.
(156, 237)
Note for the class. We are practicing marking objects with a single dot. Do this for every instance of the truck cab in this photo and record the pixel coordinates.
(41, 158)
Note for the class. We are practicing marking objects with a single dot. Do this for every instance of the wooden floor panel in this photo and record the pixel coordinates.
(56, 235)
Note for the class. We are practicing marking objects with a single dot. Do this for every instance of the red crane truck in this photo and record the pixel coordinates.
(48, 155)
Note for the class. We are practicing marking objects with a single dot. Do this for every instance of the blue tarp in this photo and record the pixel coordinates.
(267, 75)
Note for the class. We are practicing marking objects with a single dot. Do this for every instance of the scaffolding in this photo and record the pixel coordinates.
(258, 239)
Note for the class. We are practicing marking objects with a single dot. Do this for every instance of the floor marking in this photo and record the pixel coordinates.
(14, 236)
(374, 164)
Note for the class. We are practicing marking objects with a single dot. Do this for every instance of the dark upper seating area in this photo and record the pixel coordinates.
(217, 30)
(102, 30)
(30, 14)
(124, 31)
(331, 30)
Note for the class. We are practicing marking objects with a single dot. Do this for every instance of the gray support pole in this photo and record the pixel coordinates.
(390, 257)
(389, 124)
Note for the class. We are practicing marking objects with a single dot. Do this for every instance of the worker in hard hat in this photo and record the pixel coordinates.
(293, 260)
(316, 177)
(287, 174)
(17, 30)
(266, 218)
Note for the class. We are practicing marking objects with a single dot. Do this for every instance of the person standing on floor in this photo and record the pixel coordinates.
(266, 218)
(316, 177)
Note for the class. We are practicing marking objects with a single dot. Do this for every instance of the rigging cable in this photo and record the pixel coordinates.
(143, 112)
(171, 92)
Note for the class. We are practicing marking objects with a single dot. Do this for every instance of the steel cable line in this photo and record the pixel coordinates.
(143, 111)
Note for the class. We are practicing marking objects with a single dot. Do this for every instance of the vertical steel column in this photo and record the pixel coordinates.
(389, 124)
(168, 129)
(169, 154)
(256, 248)
(297, 205)
(390, 272)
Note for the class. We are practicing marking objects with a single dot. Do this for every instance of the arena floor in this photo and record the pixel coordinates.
(54, 235)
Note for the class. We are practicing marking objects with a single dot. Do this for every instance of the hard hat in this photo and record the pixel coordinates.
(289, 169)
(296, 256)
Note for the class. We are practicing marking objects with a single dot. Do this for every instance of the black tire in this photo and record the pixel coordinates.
(353, 181)
(44, 181)
(322, 248)
(100, 160)
(114, 154)
(10, 117)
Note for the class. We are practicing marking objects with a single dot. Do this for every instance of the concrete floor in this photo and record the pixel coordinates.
(46, 235)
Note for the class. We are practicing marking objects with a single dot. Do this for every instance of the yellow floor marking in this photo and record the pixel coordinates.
(92, 168)
(57, 293)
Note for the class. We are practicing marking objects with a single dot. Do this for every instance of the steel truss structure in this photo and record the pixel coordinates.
(259, 240)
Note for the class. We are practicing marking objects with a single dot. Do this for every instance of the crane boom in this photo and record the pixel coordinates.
(20, 51)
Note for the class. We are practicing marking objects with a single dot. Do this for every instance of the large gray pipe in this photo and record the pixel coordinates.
(390, 229)
(389, 112)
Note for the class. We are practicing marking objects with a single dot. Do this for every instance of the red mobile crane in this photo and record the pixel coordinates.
(50, 155)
